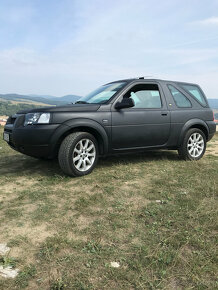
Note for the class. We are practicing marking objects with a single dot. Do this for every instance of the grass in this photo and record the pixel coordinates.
(152, 213)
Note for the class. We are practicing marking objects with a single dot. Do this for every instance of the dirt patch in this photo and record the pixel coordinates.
(83, 222)
(27, 238)
(185, 252)
(137, 202)
(213, 150)
(137, 184)
(173, 284)
(18, 184)
(35, 234)
(4, 197)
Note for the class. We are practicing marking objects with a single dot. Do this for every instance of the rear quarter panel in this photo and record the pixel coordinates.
(184, 118)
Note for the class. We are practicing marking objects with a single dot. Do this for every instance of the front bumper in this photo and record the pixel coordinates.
(32, 140)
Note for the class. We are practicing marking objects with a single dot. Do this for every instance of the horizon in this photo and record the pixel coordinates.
(71, 47)
(54, 96)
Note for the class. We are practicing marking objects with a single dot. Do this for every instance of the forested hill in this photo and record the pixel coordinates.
(12, 103)
(8, 108)
(49, 100)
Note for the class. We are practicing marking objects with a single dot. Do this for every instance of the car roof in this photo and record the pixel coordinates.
(143, 79)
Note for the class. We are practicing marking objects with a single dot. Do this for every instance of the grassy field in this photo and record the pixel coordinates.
(152, 213)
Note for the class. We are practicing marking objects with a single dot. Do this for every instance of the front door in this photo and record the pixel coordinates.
(144, 125)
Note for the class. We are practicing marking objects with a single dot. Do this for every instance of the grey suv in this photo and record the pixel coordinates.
(121, 116)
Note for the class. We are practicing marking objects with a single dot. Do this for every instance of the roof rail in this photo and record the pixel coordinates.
(142, 78)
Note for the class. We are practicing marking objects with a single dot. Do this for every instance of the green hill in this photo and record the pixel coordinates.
(9, 108)
(48, 100)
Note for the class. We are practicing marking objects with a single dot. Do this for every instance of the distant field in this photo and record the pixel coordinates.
(152, 213)
(29, 102)
(3, 116)
(12, 107)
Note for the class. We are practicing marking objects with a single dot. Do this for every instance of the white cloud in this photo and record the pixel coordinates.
(100, 45)
(207, 21)
(63, 71)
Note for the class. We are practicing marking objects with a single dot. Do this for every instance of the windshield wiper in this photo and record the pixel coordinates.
(81, 102)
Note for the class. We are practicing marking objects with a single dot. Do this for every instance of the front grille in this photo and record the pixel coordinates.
(8, 130)
(12, 119)
(17, 120)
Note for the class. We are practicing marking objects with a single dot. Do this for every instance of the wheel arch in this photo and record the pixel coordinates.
(194, 123)
(80, 125)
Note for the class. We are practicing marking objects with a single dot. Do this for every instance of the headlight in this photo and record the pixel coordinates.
(36, 118)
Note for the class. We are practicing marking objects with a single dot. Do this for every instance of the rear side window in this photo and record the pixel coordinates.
(180, 99)
(195, 92)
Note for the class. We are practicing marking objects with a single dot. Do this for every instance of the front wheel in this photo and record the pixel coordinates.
(78, 154)
(193, 145)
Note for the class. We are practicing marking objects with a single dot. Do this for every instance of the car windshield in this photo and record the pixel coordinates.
(102, 94)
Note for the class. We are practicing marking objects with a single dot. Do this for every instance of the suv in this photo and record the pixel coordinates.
(121, 116)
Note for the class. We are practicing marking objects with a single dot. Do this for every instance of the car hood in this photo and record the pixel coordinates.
(67, 108)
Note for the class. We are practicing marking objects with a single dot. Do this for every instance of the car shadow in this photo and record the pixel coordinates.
(139, 157)
(20, 165)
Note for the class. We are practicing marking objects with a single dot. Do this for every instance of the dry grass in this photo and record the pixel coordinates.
(64, 232)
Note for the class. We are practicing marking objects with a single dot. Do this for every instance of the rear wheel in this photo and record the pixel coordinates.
(78, 154)
(193, 145)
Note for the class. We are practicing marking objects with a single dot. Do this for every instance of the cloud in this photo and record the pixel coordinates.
(207, 21)
(73, 46)
(64, 71)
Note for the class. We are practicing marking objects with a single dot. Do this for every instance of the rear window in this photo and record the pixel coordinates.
(180, 100)
(195, 92)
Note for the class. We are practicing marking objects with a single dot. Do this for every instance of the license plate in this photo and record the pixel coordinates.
(6, 137)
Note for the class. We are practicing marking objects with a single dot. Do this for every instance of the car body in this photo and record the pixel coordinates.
(122, 116)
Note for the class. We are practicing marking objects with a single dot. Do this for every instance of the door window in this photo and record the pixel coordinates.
(145, 96)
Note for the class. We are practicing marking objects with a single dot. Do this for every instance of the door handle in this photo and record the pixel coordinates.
(163, 113)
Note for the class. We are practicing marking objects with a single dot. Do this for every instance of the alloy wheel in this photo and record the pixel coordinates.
(195, 145)
(84, 155)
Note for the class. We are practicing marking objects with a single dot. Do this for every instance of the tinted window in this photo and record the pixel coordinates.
(145, 96)
(180, 99)
(195, 92)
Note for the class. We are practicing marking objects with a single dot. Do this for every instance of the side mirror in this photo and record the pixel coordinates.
(125, 103)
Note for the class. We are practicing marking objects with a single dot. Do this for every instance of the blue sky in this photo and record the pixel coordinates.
(63, 47)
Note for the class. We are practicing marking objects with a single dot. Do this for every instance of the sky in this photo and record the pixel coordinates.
(59, 47)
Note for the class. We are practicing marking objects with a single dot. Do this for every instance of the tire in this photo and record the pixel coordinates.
(78, 154)
(193, 145)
